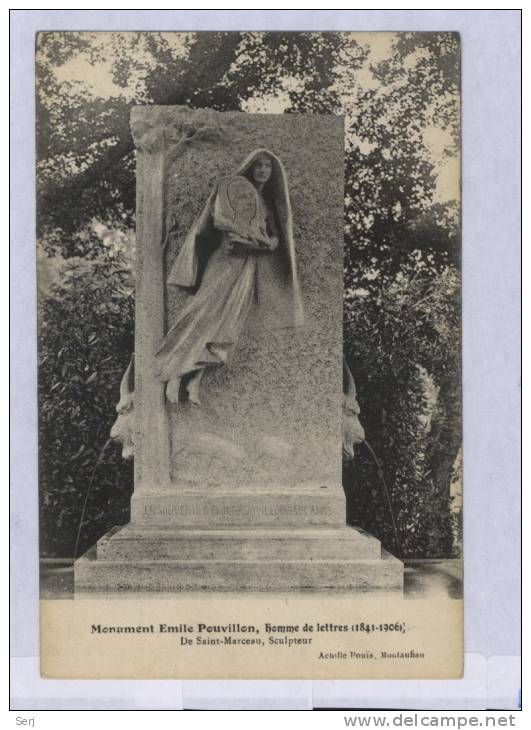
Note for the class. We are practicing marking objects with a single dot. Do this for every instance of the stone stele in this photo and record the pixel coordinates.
(243, 493)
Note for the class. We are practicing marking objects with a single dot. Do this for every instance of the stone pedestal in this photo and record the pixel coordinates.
(245, 493)
(234, 540)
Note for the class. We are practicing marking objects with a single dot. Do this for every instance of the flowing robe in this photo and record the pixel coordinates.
(211, 323)
(209, 326)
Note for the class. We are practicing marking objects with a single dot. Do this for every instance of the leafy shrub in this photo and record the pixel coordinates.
(85, 341)
(391, 341)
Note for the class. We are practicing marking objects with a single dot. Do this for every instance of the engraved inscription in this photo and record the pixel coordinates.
(235, 510)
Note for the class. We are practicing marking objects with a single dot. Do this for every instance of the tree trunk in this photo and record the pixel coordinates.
(445, 436)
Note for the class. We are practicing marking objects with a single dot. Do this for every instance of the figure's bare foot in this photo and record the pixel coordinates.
(194, 390)
(172, 390)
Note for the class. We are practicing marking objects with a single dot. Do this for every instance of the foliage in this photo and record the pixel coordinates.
(390, 342)
(392, 217)
(85, 340)
(401, 245)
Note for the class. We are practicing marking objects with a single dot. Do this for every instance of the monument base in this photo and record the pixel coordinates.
(238, 541)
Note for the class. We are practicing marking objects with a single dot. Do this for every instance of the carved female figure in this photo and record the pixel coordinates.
(247, 220)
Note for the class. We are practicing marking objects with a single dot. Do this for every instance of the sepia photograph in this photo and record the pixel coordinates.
(249, 353)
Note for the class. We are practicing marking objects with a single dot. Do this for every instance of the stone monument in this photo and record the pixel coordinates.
(236, 414)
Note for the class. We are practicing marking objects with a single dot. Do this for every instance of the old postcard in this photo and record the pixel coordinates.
(249, 355)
